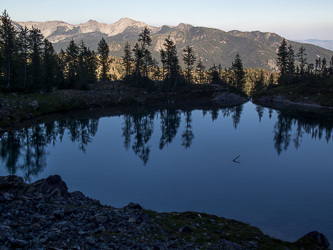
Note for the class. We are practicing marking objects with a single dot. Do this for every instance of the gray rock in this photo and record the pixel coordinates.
(322, 240)
(101, 219)
(91, 240)
(134, 205)
(8, 197)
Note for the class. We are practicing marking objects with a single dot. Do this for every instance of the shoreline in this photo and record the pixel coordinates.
(280, 100)
(15, 108)
(44, 214)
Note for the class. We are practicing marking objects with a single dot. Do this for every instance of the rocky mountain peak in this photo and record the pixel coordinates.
(184, 26)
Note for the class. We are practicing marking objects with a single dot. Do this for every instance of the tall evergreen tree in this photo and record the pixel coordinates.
(7, 37)
(92, 65)
(103, 50)
(49, 65)
(24, 48)
(60, 70)
(138, 61)
(237, 67)
(145, 38)
(163, 61)
(83, 67)
(72, 61)
(189, 60)
(282, 60)
(145, 42)
(290, 64)
(201, 70)
(127, 59)
(331, 66)
(324, 66)
(301, 55)
(171, 62)
(36, 45)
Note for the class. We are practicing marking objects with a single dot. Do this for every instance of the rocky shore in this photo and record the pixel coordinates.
(280, 100)
(17, 107)
(44, 215)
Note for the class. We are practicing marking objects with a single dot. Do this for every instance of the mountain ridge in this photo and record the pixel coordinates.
(213, 46)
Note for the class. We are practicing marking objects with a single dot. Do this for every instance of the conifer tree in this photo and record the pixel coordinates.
(189, 60)
(24, 48)
(324, 66)
(331, 66)
(36, 45)
(237, 67)
(171, 62)
(163, 61)
(60, 70)
(127, 59)
(92, 65)
(83, 67)
(7, 37)
(103, 50)
(72, 61)
(201, 70)
(49, 65)
(138, 60)
(290, 64)
(301, 55)
(145, 42)
(282, 60)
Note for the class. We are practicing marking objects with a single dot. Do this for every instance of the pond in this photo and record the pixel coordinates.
(269, 168)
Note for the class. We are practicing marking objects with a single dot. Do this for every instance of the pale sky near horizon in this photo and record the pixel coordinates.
(292, 19)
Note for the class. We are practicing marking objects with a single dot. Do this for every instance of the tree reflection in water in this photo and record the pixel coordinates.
(26, 149)
(316, 123)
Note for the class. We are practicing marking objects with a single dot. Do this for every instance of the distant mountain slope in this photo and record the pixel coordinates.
(257, 49)
(327, 44)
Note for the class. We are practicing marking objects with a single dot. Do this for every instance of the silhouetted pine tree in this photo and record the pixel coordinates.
(49, 65)
(24, 50)
(237, 67)
(7, 38)
(282, 60)
(127, 59)
(189, 60)
(36, 45)
(171, 63)
(103, 50)
(301, 55)
(200, 70)
(72, 63)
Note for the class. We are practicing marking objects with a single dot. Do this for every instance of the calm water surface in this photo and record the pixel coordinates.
(184, 160)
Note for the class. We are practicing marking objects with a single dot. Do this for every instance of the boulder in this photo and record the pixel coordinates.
(52, 185)
(12, 184)
(134, 205)
(322, 240)
(227, 98)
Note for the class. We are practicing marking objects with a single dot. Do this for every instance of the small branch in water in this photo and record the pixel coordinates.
(234, 160)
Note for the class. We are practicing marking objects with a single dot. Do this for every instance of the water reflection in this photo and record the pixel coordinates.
(142, 127)
(26, 149)
(291, 126)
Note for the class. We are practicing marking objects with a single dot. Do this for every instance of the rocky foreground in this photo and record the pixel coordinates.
(44, 215)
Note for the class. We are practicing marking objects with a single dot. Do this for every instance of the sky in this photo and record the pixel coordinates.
(292, 19)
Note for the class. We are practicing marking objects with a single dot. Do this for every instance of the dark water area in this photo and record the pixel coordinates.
(270, 168)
